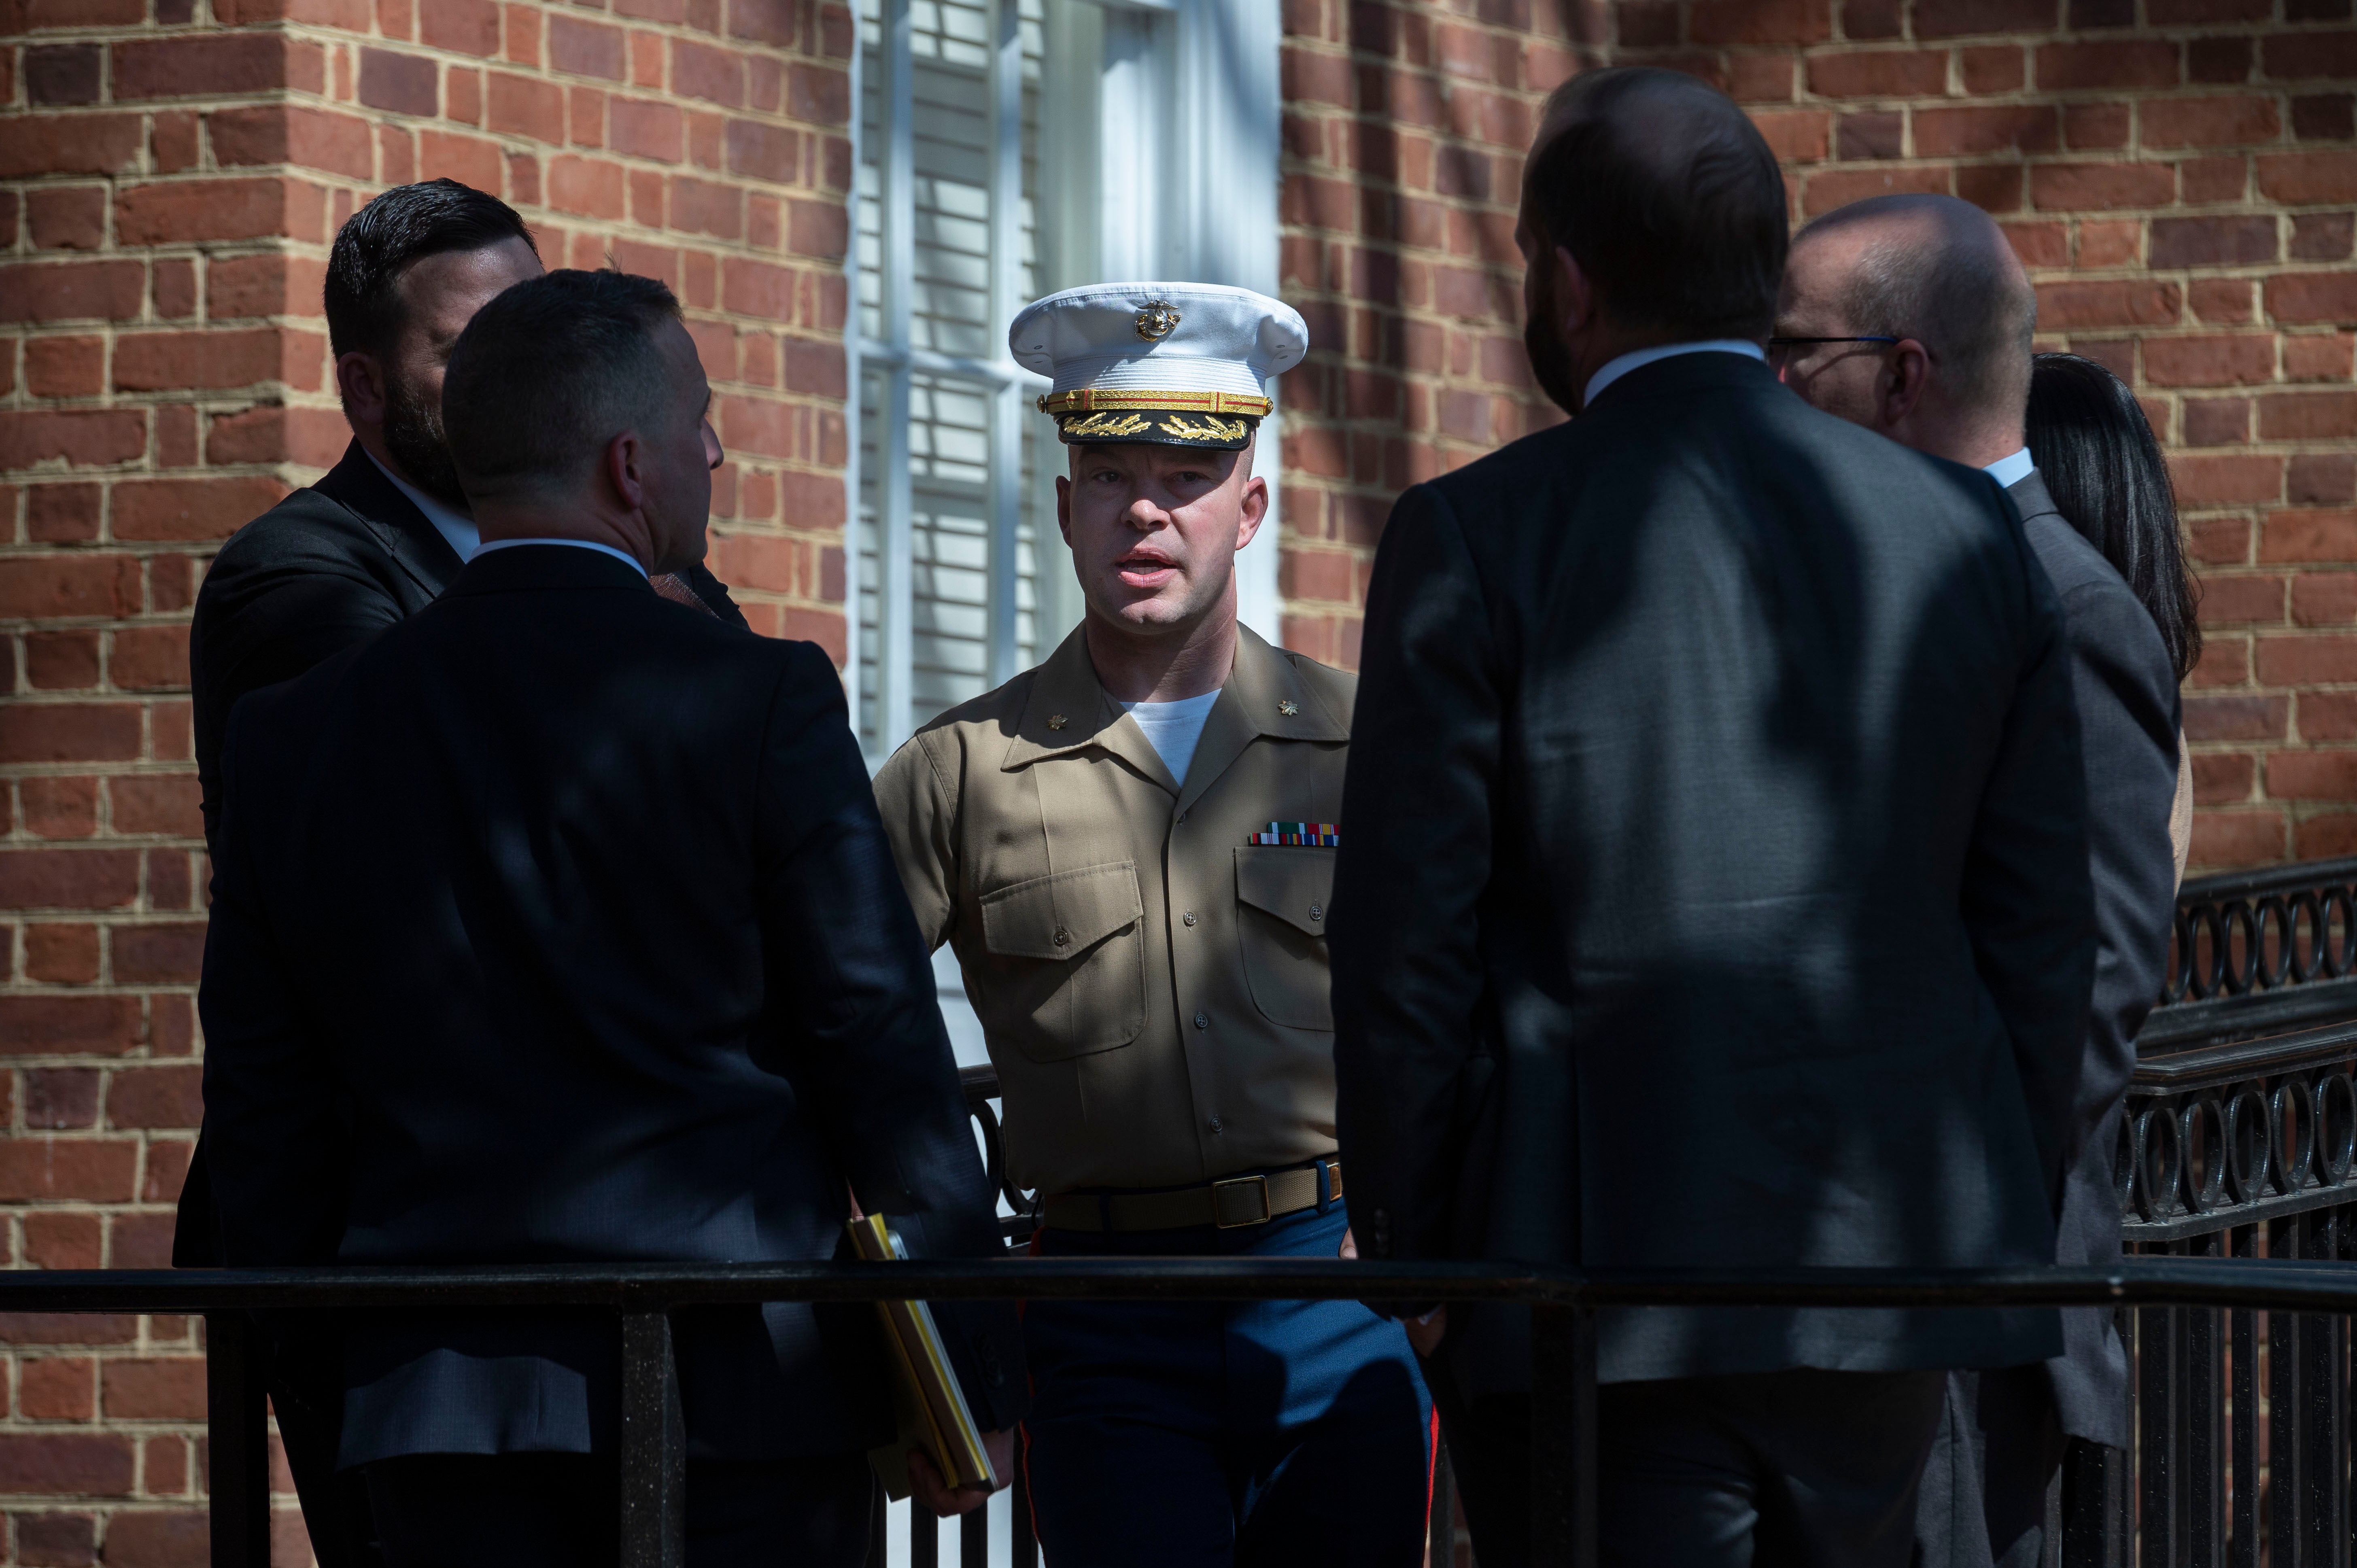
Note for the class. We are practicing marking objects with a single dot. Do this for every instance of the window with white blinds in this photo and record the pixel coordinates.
(948, 182)
(1008, 148)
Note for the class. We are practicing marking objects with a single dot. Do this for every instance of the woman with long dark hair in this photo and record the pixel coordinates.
(2096, 452)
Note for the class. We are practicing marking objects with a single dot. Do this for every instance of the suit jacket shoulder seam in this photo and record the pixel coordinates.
(294, 507)
(1443, 512)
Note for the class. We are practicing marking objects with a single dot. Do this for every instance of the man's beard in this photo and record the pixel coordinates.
(413, 433)
(1551, 364)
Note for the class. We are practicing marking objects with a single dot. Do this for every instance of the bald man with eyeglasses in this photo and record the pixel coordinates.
(1911, 315)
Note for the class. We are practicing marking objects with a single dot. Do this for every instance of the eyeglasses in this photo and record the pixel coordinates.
(1776, 344)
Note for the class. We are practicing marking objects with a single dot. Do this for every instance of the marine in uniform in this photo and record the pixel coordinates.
(1130, 850)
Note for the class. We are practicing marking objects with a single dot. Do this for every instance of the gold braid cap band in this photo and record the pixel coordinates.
(1171, 418)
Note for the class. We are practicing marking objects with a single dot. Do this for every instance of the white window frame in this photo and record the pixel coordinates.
(1181, 115)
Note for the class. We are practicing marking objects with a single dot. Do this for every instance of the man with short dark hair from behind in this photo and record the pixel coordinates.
(1912, 316)
(374, 541)
(1716, 886)
(556, 923)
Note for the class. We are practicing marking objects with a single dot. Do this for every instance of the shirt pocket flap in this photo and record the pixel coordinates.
(1294, 883)
(1062, 915)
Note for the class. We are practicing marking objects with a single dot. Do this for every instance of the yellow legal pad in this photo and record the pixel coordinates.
(926, 1398)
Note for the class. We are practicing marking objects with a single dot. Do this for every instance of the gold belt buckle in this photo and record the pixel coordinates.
(1220, 1210)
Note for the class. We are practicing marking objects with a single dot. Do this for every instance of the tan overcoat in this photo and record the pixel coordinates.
(1153, 987)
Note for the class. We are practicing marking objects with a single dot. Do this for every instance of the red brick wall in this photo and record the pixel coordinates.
(1405, 126)
(2179, 175)
(170, 179)
(2182, 179)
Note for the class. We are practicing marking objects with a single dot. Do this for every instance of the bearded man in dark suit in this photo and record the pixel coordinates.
(1912, 317)
(380, 536)
(1712, 888)
(375, 541)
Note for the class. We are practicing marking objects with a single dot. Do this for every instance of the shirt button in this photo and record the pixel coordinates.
(1202, 1020)
(1063, 937)
(1317, 911)
(1188, 916)
(1215, 1127)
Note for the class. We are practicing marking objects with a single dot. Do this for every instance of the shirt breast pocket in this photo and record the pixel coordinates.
(1069, 952)
(1283, 893)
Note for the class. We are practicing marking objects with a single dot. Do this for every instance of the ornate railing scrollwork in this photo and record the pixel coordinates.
(2239, 1141)
(2243, 1106)
(2228, 1135)
(2244, 1103)
(2255, 952)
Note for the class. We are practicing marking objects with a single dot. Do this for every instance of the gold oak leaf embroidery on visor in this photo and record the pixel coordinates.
(1106, 424)
(1180, 426)
(1179, 364)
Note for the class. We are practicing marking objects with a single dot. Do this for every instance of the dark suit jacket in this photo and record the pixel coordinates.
(1714, 884)
(327, 567)
(2128, 718)
(553, 924)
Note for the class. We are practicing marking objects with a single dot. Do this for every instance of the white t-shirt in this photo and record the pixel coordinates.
(1173, 728)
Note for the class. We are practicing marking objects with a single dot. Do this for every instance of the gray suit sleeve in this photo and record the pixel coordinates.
(2026, 897)
(2127, 703)
(1418, 801)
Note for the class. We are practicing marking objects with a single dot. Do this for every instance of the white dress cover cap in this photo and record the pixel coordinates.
(1183, 364)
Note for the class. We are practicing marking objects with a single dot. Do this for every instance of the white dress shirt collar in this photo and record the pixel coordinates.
(1615, 369)
(2011, 471)
(625, 559)
(459, 530)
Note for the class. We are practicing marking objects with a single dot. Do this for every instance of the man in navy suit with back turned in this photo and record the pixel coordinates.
(555, 923)
(375, 540)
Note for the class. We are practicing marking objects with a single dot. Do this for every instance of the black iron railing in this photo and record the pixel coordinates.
(2260, 952)
(2238, 1144)
(2239, 1215)
(652, 1449)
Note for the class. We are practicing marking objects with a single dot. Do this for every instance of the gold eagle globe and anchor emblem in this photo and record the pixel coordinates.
(1156, 321)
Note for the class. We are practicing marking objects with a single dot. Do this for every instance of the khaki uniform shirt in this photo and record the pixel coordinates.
(1153, 987)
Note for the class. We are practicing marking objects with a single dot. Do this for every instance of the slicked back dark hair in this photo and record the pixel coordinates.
(1668, 198)
(552, 370)
(384, 239)
(2095, 451)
